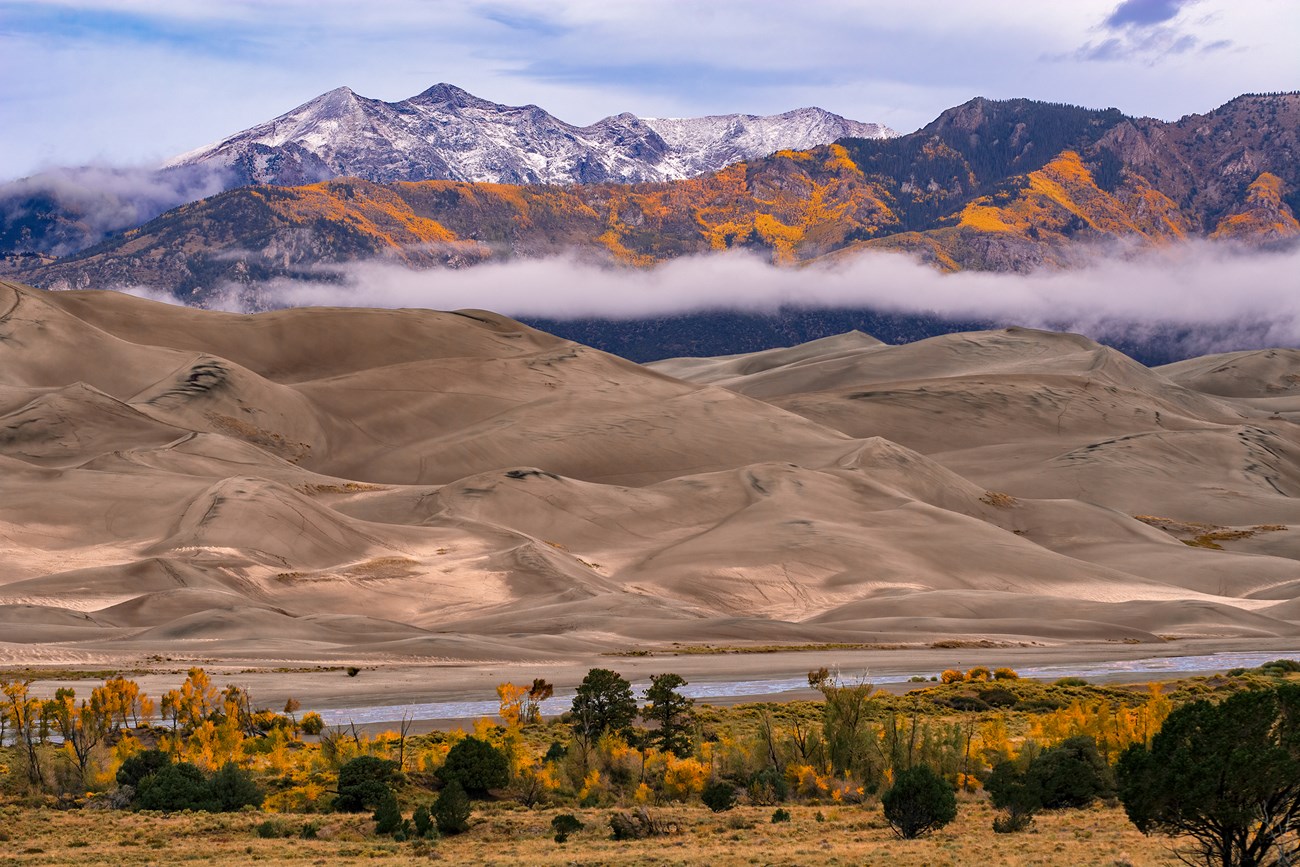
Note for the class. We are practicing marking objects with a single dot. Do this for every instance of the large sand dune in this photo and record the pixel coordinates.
(328, 483)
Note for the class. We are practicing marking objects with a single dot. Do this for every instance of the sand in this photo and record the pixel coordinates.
(415, 488)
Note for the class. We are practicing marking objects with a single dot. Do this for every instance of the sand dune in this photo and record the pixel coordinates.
(317, 483)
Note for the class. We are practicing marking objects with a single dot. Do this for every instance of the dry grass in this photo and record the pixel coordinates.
(313, 488)
(504, 835)
(1199, 535)
(999, 499)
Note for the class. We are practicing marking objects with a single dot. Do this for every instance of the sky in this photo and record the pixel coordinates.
(131, 82)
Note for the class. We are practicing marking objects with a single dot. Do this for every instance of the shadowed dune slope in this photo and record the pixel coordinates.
(330, 483)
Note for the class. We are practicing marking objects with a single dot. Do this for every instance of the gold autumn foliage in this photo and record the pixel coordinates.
(843, 750)
(1262, 216)
(792, 207)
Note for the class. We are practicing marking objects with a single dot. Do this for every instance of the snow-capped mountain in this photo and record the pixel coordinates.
(448, 133)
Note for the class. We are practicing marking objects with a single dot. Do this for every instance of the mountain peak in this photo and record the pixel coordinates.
(443, 92)
(446, 132)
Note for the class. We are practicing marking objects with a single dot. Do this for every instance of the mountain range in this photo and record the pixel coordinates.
(444, 133)
(1011, 185)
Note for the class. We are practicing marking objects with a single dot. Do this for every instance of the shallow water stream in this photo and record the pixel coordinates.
(703, 690)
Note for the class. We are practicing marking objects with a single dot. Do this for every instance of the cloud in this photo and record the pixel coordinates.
(1145, 31)
(95, 201)
(1206, 297)
(1143, 13)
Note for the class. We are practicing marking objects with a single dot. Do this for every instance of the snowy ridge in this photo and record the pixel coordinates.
(448, 133)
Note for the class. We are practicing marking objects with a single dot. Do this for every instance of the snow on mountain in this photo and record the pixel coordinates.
(448, 133)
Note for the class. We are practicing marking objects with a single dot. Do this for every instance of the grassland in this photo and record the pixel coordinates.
(506, 834)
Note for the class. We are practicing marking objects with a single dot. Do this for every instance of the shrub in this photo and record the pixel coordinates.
(388, 816)
(1071, 774)
(176, 787)
(768, 786)
(352, 671)
(719, 796)
(451, 811)
(637, 825)
(967, 703)
(1280, 667)
(978, 674)
(999, 697)
(312, 723)
(422, 821)
(920, 801)
(951, 675)
(1012, 792)
(273, 829)
(476, 766)
(364, 783)
(141, 765)
(232, 788)
(780, 814)
(1071, 681)
(565, 824)
(1005, 674)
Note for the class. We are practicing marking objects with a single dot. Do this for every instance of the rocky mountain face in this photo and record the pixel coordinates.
(443, 133)
(446, 133)
(1010, 186)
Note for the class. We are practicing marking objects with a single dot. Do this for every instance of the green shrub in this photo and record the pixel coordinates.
(476, 766)
(920, 801)
(422, 821)
(1071, 681)
(233, 788)
(1013, 792)
(312, 723)
(388, 816)
(364, 783)
(780, 814)
(273, 829)
(451, 811)
(141, 765)
(1071, 774)
(176, 787)
(999, 697)
(565, 824)
(768, 786)
(719, 796)
(1280, 667)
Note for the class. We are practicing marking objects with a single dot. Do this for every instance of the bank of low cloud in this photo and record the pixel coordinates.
(1212, 296)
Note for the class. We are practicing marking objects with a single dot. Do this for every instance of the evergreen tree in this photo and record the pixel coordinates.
(476, 766)
(604, 702)
(920, 801)
(364, 782)
(672, 711)
(451, 810)
(1227, 775)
